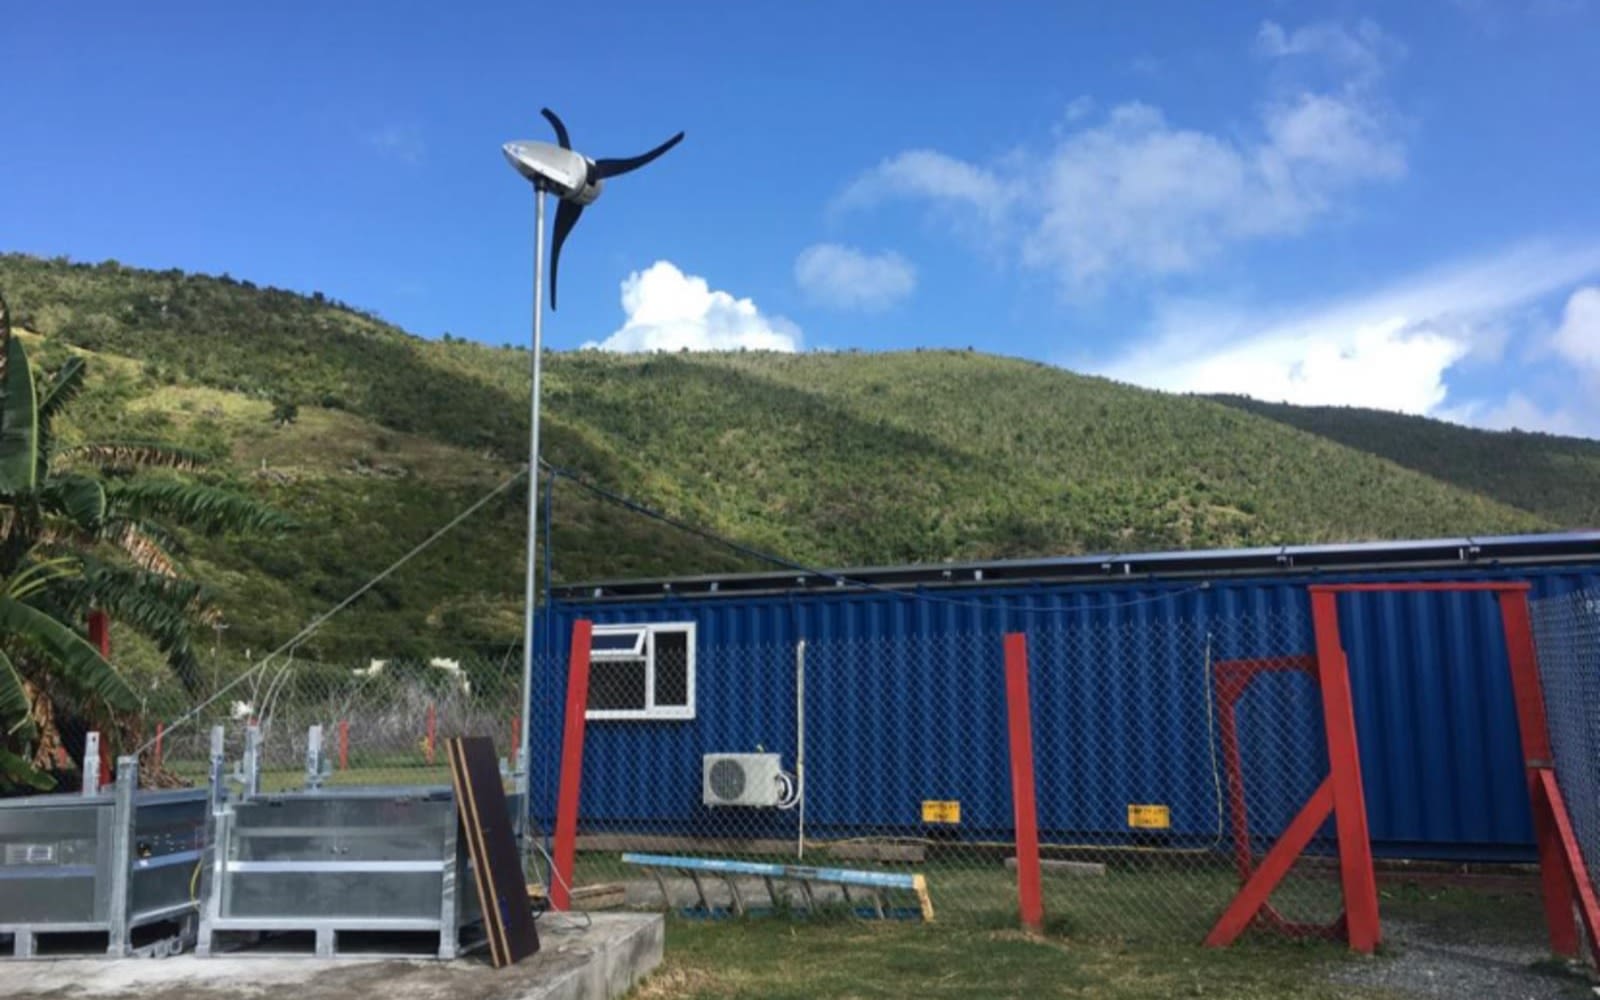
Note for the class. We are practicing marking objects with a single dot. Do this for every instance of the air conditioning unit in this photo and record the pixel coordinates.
(740, 779)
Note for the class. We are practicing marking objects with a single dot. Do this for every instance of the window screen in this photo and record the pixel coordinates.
(672, 669)
(642, 671)
(617, 685)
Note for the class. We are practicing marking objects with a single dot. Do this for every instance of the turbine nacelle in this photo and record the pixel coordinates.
(562, 172)
(572, 177)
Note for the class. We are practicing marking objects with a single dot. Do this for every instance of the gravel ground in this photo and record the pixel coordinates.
(1417, 964)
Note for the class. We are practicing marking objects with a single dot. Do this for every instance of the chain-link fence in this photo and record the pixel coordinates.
(1567, 635)
(1170, 755)
(382, 721)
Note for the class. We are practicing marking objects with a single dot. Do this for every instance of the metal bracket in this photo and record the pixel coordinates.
(91, 763)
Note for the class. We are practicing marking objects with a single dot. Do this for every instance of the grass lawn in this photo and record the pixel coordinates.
(778, 958)
(1120, 938)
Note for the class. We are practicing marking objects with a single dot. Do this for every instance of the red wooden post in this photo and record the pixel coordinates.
(516, 733)
(100, 632)
(1356, 874)
(100, 639)
(1537, 757)
(571, 766)
(433, 722)
(344, 744)
(1030, 895)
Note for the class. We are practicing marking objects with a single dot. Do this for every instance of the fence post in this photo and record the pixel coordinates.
(100, 639)
(161, 731)
(433, 722)
(344, 744)
(1030, 895)
(560, 888)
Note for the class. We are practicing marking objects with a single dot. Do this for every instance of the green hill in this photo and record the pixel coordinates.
(835, 459)
(1555, 477)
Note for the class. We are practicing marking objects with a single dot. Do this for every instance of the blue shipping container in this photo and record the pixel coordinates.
(915, 651)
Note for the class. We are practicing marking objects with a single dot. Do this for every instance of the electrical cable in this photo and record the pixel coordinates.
(788, 791)
(1211, 739)
(555, 876)
(354, 596)
(750, 552)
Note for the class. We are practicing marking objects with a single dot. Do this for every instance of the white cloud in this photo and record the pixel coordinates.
(1520, 413)
(1578, 337)
(398, 142)
(1363, 51)
(1081, 106)
(1390, 349)
(1145, 65)
(846, 278)
(1135, 194)
(926, 173)
(668, 310)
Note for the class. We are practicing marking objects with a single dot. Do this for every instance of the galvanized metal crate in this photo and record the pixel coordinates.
(88, 871)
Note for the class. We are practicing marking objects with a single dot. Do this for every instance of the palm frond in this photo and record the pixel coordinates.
(5, 335)
(125, 456)
(35, 577)
(19, 772)
(77, 663)
(162, 607)
(138, 545)
(19, 415)
(80, 498)
(194, 505)
(14, 702)
(64, 387)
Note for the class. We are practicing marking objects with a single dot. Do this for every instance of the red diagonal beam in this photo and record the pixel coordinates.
(1273, 868)
(1576, 868)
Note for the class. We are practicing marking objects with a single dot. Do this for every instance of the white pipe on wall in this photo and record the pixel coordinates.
(800, 743)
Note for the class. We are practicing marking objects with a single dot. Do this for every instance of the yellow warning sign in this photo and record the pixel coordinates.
(941, 811)
(1149, 817)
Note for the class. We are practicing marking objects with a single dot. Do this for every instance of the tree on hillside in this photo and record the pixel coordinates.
(87, 528)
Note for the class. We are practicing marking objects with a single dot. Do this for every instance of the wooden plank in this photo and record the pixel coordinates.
(907, 853)
(617, 843)
(1057, 866)
(486, 825)
(603, 896)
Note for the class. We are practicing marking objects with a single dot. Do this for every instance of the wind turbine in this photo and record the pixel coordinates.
(576, 181)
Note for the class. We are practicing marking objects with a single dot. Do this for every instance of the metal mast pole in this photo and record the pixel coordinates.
(530, 594)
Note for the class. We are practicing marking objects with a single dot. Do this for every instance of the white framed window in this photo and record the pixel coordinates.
(643, 671)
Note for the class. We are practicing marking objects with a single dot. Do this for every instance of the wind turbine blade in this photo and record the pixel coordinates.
(561, 130)
(566, 217)
(611, 168)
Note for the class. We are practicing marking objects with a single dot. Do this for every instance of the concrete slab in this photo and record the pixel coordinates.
(599, 961)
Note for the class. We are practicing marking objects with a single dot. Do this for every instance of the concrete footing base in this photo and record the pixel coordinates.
(594, 957)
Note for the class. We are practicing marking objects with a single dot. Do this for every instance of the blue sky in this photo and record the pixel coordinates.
(1377, 204)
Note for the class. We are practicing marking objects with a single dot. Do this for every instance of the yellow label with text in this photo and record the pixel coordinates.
(1147, 817)
(940, 811)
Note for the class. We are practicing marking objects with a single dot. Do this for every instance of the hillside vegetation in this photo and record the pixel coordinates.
(839, 459)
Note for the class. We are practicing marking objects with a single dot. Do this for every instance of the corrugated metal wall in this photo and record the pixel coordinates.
(1435, 720)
